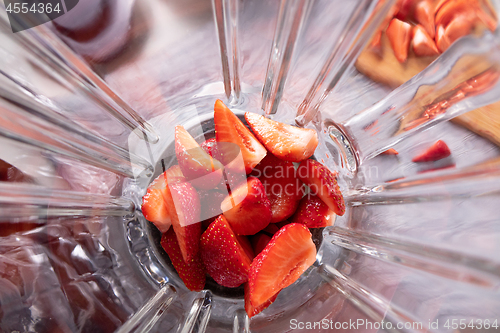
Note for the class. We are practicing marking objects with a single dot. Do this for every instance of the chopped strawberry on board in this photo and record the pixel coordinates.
(287, 142)
(322, 182)
(313, 213)
(290, 253)
(399, 34)
(250, 310)
(154, 207)
(224, 257)
(199, 168)
(191, 272)
(437, 151)
(247, 208)
(229, 128)
(283, 189)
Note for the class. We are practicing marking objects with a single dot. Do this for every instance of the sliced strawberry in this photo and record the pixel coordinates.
(289, 254)
(246, 245)
(287, 142)
(423, 44)
(247, 208)
(259, 242)
(191, 272)
(322, 182)
(460, 26)
(399, 34)
(155, 210)
(223, 256)
(210, 147)
(234, 170)
(406, 9)
(283, 188)
(313, 213)
(442, 41)
(210, 202)
(229, 128)
(424, 14)
(390, 151)
(250, 310)
(183, 204)
(437, 151)
(154, 207)
(198, 167)
(271, 229)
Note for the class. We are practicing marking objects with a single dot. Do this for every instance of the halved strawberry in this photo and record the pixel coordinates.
(247, 208)
(423, 44)
(246, 245)
(271, 229)
(313, 213)
(183, 204)
(289, 254)
(435, 152)
(287, 142)
(322, 182)
(424, 14)
(210, 147)
(155, 210)
(191, 272)
(250, 310)
(229, 128)
(259, 242)
(198, 167)
(399, 34)
(283, 188)
(154, 207)
(229, 153)
(223, 256)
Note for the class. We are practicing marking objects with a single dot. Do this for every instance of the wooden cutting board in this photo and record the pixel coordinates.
(383, 67)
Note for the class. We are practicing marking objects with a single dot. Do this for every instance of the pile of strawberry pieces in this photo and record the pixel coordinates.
(431, 26)
(236, 206)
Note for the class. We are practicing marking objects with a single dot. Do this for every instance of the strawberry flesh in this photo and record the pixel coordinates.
(154, 207)
(229, 128)
(247, 208)
(198, 167)
(259, 242)
(437, 151)
(424, 14)
(290, 253)
(252, 311)
(223, 256)
(322, 182)
(191, 272)
(287, 142)
(423, 44)
(183, 205)
(282, 187)
(313, 213)
(399, 34)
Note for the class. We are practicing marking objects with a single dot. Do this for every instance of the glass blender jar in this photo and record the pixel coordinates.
(89, 104)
